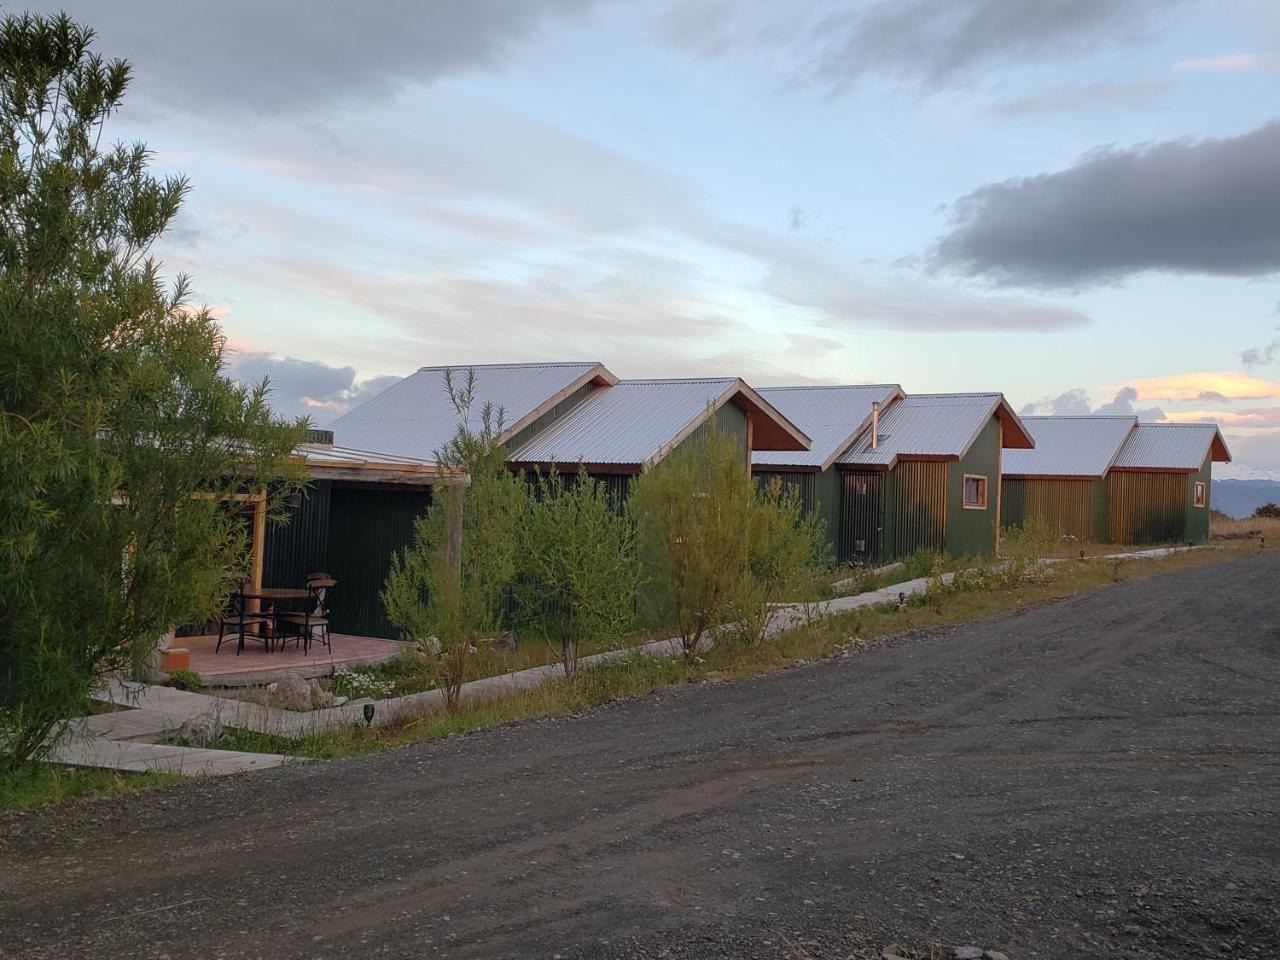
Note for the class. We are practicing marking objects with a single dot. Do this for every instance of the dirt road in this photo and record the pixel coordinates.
(1095, 778)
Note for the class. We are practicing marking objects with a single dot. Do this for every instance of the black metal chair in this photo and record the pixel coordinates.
(237, 621)
(313, 623)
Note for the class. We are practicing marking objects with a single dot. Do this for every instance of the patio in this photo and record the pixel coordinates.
(255, 665)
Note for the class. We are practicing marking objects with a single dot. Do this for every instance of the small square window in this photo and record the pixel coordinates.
(1201, 493)
(975, 492)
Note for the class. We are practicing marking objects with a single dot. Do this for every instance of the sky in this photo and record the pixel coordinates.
(1075, 202)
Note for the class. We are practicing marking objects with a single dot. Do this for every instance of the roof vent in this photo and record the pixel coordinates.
(875, 424)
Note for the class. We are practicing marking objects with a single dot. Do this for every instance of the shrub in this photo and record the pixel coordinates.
(185, 680)
(449, 587)
(1268, 510)
(579, 573)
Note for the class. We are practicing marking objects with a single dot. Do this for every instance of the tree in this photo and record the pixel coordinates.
(448, 589)
(1267, 510)
(694, 515)
(579, 573)
(121, 442)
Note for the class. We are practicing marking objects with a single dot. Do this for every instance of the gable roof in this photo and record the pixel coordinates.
(831, 416)
(1174, 447)
(326, 461)
(636, 423)
(1082, 447)
(414, 418)
(935, 426)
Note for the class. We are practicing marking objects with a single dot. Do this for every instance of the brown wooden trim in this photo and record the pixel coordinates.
(1155, 470)
(1051, 476)
(758, 468)
(598, 375)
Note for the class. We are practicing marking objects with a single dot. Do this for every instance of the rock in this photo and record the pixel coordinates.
(892, 950)
(202, 730)
(967, 953)
(996, 955)
(291, 693)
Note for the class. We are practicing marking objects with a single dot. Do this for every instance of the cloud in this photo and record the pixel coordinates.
(1075, 97)
(1184, 206)
(1254, 418)
(1075, 403)
(1227, 384)
(292, 55)
(1230, 61)
(1259, 451)
(1260, 356)
(306, 387)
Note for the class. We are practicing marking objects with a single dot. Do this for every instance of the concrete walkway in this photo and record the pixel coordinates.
(169, 708)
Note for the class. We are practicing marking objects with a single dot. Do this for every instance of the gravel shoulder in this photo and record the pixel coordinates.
(1098, 777)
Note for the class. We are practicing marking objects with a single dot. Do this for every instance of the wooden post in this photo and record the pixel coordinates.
(751, 437)
(259, 544)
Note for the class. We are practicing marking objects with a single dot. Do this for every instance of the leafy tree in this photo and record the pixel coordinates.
(579, 573)
(121, 442)
(1267, 510)
(448, 589)
(694, 515)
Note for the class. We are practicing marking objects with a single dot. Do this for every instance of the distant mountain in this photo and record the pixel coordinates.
(1239, 498)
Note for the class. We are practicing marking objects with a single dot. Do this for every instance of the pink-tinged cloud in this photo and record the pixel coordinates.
(1258, 417)
(1223, 384)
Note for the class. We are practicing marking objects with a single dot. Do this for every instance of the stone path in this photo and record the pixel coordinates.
(159, 758)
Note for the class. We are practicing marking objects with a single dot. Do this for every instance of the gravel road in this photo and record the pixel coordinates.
(1093, 778)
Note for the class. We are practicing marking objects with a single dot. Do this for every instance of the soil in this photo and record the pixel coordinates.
(1094, 778)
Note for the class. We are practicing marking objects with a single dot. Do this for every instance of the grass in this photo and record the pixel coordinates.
(1228, 528)
(40, 783)
(976, 593)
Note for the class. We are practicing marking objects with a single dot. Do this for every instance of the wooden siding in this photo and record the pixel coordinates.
(1067, 507)
(1148, 507)
(916, 508)
(366, 526)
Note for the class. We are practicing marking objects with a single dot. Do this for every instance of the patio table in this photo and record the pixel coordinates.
(280, 595)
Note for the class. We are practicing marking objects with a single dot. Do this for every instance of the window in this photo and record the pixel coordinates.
(1201, 493)
(975, 492)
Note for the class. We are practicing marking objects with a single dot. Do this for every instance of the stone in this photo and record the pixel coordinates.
(291, 692)
(996, 955)
(892, 950)
(967, 953)
(202, 730)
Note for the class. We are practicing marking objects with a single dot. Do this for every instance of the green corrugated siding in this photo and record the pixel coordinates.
(860, 538)
(915, 509)
(299, 547)
(551, 416)
(972, 533)
(1197, 519)
(366, 526)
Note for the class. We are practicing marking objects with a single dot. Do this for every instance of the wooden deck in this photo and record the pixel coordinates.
(255, 665)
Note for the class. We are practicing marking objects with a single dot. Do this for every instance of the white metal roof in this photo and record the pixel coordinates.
(942, 425)
(414, 417)
(637, 422)
(832, 416)
(324, 454)
(1172, 446)
(1083, 446)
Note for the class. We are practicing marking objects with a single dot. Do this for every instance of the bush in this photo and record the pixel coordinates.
(185, 680)
(579, 573)
(1268, 511)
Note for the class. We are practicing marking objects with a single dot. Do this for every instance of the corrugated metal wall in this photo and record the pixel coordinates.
(916, 508)
(1148, 507)
(1065, 506)
(1197, 528)
(551, 416)
(367, 525)
(972, 532)
(300, 546)
(860, 537)
(801, 481)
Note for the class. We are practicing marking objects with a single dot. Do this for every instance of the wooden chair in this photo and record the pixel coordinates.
(314, 622)
(238, 620)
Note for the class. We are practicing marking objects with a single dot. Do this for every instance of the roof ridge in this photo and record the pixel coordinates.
(1079, 416)
(531, 363)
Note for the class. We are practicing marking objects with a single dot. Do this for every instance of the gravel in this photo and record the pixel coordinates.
(1092, 778)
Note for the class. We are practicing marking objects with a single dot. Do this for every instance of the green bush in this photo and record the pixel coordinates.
(1267, 511)
(185, 680)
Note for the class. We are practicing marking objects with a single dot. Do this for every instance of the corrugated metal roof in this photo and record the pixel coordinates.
(323, 454)
(831, 416)
(1171, 446)
(629, 424)
(414, 417)
(1069, 447)
(925, 425)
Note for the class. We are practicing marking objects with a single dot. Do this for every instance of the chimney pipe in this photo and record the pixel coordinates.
(875, 424)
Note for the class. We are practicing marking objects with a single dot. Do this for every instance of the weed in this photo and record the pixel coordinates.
(185, 680)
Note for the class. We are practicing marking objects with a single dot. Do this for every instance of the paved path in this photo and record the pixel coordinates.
(1096, 778)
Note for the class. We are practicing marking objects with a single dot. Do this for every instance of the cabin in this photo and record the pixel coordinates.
(1160, 485)
(1062, 483)
(620, 431)
(833, 417)
(926, 474)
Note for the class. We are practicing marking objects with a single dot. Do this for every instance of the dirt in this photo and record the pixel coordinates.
(1094, 778)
